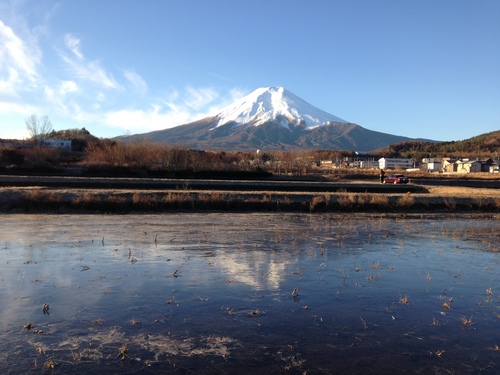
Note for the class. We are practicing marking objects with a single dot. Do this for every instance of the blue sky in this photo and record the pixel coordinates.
(428, 69)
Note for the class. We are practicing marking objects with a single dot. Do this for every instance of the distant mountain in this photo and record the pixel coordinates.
(272, 118)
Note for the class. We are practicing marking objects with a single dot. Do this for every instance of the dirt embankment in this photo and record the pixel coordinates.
(104, 194)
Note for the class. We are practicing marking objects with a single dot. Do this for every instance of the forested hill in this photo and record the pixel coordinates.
(482, 146)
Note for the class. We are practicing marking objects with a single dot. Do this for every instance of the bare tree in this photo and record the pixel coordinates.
(39, 128)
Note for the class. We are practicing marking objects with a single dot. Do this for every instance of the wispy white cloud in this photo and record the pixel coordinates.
(86, 92)
(141, 121)
(198, 98)
(177, 108)
(18, 61)
(73, 44)
(82, 69)
(16, 108)
(67, 87)
(57, 96)
(136, 81)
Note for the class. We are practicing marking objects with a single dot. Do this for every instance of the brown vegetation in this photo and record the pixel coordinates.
(124, 201)
(146, 159)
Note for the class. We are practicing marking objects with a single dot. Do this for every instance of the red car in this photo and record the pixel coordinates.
(396, 179)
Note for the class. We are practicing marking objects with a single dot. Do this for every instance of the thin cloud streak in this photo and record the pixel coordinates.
(91, 71)
(198, 98)
(18, 61)
(136, 81)
(73, 44)
(193, 104)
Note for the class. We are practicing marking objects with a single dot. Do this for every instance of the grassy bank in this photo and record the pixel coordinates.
(34, 200)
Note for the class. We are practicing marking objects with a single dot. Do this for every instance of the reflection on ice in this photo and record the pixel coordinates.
(208, 293)
(259, 270)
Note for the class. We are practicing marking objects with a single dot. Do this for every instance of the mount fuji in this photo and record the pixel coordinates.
(275, 104)
(271, 118)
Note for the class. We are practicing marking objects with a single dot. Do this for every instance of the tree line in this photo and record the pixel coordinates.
(90, 150)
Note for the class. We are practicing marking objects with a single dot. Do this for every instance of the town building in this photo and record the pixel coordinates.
(64, 144)
(395, 163)
(468, 166)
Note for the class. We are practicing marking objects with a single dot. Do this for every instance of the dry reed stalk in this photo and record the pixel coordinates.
(144, 200)
(116, 201)
(404, 300)
(379, 200)
(466, 322)
(406, 200)
(450, 203)
(347, 201)
(317, 202)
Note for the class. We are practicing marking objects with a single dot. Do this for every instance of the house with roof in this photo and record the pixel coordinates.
(468, 166)
(486, 164)
(434, 164)
(450, 164)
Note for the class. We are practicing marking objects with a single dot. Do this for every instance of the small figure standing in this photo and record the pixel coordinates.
(382, 175)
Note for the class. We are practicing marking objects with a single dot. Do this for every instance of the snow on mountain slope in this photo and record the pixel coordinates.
(274, 103)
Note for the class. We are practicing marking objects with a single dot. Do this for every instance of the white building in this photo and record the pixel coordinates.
(368, 164)
(435, 166)
(64, 144)
(394, 163)
(469, 166)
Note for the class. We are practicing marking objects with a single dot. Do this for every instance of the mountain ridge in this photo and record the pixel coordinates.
(272, 118)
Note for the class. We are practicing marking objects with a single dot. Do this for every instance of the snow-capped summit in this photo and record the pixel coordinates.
(272, 118)
(275, 104)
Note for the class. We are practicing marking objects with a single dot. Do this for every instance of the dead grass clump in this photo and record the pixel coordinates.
(485, 203)
(177, 200)
(379, 200)
(480, 202)
(285, 203)
(49, 364)
(317, 203)
(265, 202)
(116, 200)
(116, 203)
(144, 200)
(266, 198)
(363, 199)
(496, 203)
(88, 201)
(404, 300)
(169, 197)
(466, 322)
(347, 201)
(212, 201)
(219, 200)
(406, 200)
(40, 199)
(450, 203)
(41, 195)
(253, 203)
